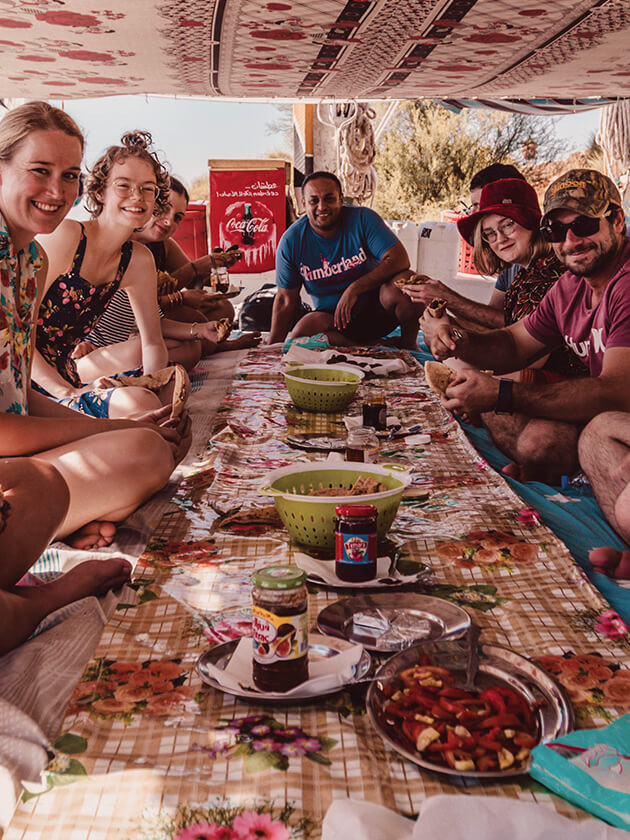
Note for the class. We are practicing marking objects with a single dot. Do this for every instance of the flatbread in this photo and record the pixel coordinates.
(439, 376)
(487, 548)
(436, 307)
(412, 280)
(261, 515)
(223, 328)
(156, 381)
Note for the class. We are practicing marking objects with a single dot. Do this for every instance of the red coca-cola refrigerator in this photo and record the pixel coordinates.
(248, 209)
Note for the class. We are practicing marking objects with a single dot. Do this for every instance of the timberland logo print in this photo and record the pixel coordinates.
(329, 269)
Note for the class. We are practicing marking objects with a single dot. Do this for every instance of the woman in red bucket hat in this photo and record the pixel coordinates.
(504, 232)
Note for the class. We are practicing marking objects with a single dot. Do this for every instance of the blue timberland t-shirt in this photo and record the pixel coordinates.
(326, 267)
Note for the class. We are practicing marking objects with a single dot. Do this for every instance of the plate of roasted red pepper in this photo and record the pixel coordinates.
(419, 706)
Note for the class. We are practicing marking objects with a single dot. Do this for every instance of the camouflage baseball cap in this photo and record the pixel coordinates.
(584, 191)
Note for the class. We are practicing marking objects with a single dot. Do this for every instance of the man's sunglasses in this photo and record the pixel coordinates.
(580, 226)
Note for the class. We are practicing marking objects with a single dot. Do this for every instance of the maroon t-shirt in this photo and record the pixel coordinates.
(565, 314)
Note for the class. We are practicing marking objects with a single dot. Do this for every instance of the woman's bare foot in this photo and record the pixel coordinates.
(611, 562)
(95, 534)
(23, 607)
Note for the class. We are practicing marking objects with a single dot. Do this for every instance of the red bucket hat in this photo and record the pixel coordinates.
(509, 197)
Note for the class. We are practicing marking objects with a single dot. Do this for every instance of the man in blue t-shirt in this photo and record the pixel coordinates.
(347, 259)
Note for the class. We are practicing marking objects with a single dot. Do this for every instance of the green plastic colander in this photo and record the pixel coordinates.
(326, 388)
(310, 520)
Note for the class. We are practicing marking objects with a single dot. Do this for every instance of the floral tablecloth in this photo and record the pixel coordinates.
(146, 749)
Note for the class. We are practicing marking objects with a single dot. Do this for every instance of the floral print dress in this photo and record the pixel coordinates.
(18, 291)
(69, 311)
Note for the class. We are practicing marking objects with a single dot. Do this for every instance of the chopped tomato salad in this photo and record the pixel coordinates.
(490, 730)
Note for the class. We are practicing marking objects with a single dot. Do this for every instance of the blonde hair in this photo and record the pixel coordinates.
(487, 262)
(17, 124)
(133, 144)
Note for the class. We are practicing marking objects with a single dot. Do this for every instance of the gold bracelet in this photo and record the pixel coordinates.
(192, 327)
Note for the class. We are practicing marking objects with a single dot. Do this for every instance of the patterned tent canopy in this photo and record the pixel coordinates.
(400, 49)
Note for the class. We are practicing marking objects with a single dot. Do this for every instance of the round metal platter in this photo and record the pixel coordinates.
(385, 623)
(497, 666)
(220, 655)
(317, 443)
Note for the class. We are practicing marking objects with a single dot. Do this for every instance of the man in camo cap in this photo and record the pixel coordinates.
(589, 309)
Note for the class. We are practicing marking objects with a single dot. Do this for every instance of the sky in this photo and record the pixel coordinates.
(189, 131)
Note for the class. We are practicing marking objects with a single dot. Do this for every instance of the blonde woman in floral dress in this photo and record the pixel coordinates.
(62, 474)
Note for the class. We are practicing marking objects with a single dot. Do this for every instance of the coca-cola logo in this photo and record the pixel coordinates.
(253, 225)
(248, 224)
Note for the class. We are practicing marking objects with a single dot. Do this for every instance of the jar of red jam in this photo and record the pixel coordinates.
(279, 628)
(355, 542)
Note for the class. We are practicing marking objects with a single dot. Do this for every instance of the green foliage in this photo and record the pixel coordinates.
(427, 157)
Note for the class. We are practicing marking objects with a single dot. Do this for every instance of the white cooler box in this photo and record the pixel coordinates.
(407, 232)
(438, 250)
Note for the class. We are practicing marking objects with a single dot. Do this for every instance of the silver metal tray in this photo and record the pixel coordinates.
(497, 665)
(317, 442)
(411, 618)
(220, 655)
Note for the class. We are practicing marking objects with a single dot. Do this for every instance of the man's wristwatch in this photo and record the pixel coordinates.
(505, 400)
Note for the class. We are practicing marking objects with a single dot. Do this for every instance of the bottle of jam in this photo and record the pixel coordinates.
(280, 628)
(362, 445)
(355, 542)
(375, 409)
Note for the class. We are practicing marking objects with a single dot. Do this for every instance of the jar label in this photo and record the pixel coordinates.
(356, 549)
(278, 638)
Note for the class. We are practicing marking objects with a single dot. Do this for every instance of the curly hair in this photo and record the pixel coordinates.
(487, 262)
(17, 124)
(133, 144)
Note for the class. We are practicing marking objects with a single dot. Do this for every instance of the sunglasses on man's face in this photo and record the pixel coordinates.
(581, 226)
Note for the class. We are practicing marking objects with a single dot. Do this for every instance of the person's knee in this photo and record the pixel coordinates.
(126, 402)
(312, 323)
(28, 479)
(602, 427)
(148, 457)
(548, 444)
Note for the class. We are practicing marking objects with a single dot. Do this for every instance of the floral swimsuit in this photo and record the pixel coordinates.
(69, 311)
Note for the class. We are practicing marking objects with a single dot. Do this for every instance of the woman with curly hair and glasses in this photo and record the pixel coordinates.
(88, 263)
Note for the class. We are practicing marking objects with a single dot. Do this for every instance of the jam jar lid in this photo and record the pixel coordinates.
(279, 577)
(355, 510)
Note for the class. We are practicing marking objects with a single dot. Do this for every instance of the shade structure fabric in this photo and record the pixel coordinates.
(399, 49)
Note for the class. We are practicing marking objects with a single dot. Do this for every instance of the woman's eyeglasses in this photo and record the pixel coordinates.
(580, 226)
(124, 189)
(506, 228)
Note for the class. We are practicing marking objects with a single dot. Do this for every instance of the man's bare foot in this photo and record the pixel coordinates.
(622, 472)
(23, 607)
(611, 562)
(512, 471)
(96, 534)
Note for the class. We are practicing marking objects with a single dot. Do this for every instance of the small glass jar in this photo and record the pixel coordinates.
(362, 445)
(375, 409)
(355, 542)
(279, 628)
